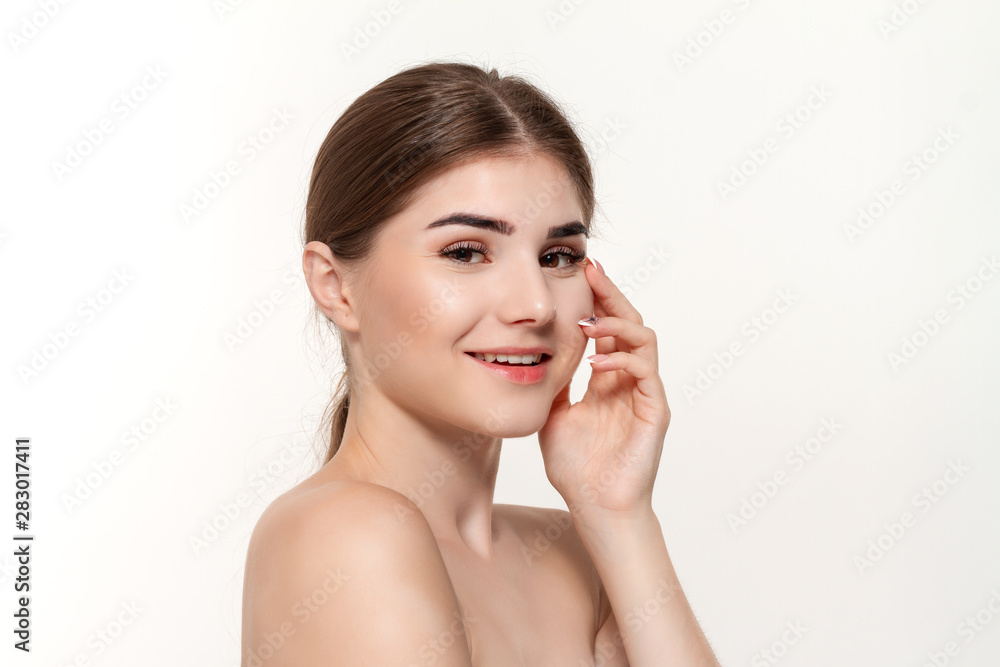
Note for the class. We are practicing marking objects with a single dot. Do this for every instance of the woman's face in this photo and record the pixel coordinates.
(488, 258)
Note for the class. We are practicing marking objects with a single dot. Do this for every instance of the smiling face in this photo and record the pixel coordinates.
(488, 258)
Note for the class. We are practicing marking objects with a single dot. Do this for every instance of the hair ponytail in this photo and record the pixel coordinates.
(337, 418)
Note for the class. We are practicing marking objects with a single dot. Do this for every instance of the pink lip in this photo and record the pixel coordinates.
(517, 374)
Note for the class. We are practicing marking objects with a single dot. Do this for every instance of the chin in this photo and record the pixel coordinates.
(522, 428)
(516, 418)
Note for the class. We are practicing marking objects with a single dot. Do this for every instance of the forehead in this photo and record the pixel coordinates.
(530, 192)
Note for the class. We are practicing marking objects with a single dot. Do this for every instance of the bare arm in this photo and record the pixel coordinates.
(650, 611)
(344, 577)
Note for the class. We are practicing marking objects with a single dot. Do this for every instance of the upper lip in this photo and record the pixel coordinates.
(514, 350)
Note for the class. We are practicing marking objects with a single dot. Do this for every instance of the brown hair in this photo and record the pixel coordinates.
(403, 132)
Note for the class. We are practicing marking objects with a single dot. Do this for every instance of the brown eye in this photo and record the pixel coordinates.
(571, 257)
(463, 252)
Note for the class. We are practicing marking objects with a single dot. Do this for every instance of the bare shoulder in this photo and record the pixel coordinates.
(344, 572)
(544, 530)
(551, 544)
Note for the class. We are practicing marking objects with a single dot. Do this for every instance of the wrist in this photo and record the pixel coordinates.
(617, 536)
(595, 518)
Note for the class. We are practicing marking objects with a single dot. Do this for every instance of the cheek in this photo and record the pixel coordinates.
(577, 298)
(427, 308)
(396, 305)
(575, 302)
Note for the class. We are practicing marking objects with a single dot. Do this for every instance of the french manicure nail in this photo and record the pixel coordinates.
(594, 358)
(589, 321)
(595, 263)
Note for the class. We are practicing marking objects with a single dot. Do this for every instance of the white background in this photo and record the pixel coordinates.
(245, 416)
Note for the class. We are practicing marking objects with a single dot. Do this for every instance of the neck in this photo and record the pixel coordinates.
(448, 472)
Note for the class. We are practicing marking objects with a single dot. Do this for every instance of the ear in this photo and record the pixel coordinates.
(325, 276)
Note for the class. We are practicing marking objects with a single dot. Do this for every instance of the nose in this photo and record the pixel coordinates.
(525, 294)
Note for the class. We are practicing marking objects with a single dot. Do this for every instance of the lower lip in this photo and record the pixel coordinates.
(517, 374)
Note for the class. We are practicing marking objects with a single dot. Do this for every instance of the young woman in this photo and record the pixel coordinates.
(445, 240)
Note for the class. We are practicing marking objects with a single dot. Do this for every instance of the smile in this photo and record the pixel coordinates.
(512, 359)
(516, 368)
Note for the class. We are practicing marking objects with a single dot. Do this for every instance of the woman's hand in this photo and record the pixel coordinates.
(603, 452)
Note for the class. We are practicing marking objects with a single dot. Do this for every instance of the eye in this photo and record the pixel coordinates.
(459, 252)
(463, 252)
(571, 257)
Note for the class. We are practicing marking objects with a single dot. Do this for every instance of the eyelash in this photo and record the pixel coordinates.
(575, 256)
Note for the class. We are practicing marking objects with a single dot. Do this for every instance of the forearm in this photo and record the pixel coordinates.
(656, 622)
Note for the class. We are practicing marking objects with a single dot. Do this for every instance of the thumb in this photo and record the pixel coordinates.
(561, 401)
(560, 404)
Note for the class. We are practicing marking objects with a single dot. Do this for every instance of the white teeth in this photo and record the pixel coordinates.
(524, 359)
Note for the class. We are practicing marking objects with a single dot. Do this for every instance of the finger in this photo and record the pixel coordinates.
(609, 296)
(605, 344)
(627, 335)
(646, 374)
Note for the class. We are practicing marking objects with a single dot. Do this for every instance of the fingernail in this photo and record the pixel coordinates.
(597, 264)
(589, 321)
(594, 358)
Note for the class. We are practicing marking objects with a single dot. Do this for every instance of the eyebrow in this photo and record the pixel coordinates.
(504, 227)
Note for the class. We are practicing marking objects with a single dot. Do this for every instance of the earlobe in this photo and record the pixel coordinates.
(326, 278)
